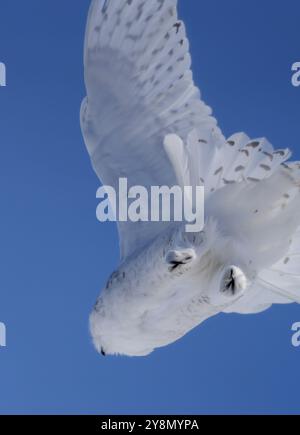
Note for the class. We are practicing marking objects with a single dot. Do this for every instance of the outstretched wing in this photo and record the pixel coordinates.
(139, 89)
(254, 193)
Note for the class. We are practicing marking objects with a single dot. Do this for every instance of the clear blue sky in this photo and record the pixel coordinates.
(55, 256)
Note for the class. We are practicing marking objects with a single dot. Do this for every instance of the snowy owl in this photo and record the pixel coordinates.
(143, 119)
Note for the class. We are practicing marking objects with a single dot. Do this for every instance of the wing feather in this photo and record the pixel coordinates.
(139, 89)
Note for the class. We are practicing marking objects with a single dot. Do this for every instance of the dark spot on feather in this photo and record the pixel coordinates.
(148, 18)
(219, 170)
(139, 14)
(231, 143)
(171, 12)
(245, 152)
(280, 153)
(239, 168)
(161, 3)
(156, 51)
(256, 180)
(129, 24)
(105, 5)
(177, 26)
(254, 144)
(133, 38)
(271, 157)
(286, 261)
(265, 167)
(286, 166)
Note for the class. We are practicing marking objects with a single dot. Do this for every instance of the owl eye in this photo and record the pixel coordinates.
(233, 281)
(228, 285)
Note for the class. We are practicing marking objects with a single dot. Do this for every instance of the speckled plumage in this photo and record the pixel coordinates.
(143, 119)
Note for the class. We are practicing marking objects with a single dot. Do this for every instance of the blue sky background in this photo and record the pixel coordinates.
(55, 256)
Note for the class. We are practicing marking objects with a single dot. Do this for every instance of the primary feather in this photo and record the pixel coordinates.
(143, 119)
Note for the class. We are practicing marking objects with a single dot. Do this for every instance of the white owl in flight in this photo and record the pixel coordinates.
(143, 119)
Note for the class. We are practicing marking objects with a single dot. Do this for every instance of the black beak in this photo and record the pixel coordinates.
(102, 352)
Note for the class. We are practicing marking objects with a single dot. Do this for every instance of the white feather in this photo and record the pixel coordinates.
(137, 94)
(143, 119)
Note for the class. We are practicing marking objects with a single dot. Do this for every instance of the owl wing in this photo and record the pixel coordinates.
(253, 192)
(139, 89)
